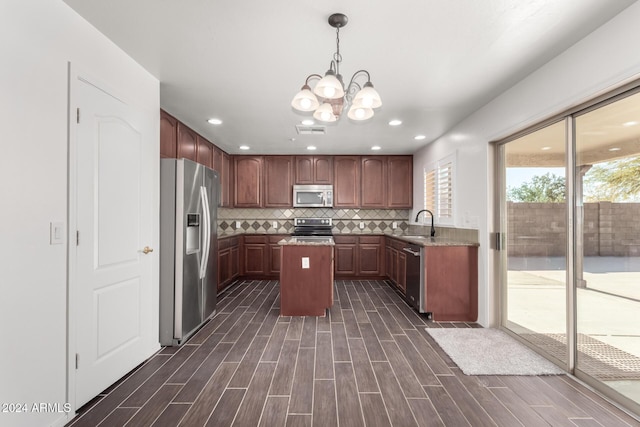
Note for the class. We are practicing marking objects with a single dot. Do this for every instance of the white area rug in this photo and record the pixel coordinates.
(479, 351)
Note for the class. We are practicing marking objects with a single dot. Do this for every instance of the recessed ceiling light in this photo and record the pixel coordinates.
(307, 122)
(545, 148)
(614, 149)
(376, 148)
(419, 137)
(215, 121)
(244, 147)
(633, 123)
(311, 147)
(395, 122)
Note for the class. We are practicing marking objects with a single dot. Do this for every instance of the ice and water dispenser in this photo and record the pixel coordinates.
(193, 233)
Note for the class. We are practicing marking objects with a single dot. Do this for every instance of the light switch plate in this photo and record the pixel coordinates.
(305, 262)
(237, 225)
(56, 233)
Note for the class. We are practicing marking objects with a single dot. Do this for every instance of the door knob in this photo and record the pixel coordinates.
(147, 249)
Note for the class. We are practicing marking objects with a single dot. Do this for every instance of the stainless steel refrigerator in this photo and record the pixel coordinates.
(189, 194)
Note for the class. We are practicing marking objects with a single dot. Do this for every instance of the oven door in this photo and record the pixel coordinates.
(309, 198)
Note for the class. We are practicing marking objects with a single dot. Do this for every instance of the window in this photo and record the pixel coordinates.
(439, 189)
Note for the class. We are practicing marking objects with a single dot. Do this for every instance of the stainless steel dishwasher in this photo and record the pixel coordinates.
(413, 270)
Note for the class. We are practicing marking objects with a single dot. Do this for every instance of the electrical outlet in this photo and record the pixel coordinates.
(361, 225)
(237, 225)
(394, 225)
(275, 225)
(305, 262)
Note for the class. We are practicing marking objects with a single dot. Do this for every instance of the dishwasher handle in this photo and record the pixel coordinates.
(412, 252)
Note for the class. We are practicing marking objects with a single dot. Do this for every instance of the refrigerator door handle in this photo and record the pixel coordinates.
(206, 232)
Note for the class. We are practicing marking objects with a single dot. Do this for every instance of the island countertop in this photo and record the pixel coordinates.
(308, 241)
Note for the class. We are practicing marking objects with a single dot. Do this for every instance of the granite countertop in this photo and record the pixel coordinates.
(411, 238)
(434, 241)
(307, 241)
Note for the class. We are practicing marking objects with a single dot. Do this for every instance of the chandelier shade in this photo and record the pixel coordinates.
(330, 96)
(367, 97)
(305, 100)
(324, 113)
(329, 86)
(359, 113)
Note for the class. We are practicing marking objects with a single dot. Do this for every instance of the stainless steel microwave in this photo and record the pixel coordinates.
(313, 196)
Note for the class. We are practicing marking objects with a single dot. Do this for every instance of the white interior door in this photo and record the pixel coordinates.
(112, 296)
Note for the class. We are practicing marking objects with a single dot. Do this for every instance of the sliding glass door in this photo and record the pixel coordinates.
(607, 175)
(534, 229)
(569, 224)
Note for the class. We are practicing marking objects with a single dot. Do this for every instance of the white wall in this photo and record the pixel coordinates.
(38, 38)
(599, 62)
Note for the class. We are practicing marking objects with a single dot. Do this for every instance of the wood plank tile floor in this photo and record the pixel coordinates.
(368, 363)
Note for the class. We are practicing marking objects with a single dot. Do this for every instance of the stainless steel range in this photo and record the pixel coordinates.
(312, 227)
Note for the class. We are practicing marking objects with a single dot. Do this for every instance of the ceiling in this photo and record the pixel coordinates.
(609, 132)
(433, 61)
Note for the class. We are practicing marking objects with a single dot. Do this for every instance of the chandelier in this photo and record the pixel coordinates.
(330, 96)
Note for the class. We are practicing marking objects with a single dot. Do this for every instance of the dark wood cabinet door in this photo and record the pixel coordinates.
(224, 268)
(255, 256)
(234, 261)
(304, 170)
(247, 181)
(369, 260)
(226, 180)
(275, 252)
(390, 263)
(345, 259)
(187, 143)
(168, 136)
(371, 255)
(346, 181)
(322, 170)
(314, 170)
(204, 153)
(374, 182)
(400, 182)
(278, 181)
(217, 159)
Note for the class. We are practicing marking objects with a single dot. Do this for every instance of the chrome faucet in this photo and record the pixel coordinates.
(433, 230)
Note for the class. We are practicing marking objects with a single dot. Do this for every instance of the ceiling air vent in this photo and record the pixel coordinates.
(311, 130)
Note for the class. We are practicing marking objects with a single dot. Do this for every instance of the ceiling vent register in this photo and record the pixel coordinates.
(311, 130)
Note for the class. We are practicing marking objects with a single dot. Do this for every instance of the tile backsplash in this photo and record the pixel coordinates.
(232, 221)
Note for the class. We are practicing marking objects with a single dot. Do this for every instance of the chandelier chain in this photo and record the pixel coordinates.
(336, 56)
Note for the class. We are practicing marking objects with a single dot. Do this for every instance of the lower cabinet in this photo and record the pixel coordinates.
(359, 256)
(396, 262)
(228, 261)
(261, 255)
(451, 283)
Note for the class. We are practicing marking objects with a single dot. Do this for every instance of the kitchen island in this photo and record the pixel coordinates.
(306, 276)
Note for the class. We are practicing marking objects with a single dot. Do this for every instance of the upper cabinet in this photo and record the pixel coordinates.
(400, 182)
(168, 136)
(374, 182)
(313, 170)
(204, 156)
(278, 181)
(346, 181)
(187, 143)
(248, 181)
(178, 141)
